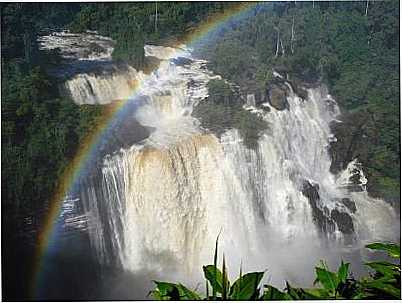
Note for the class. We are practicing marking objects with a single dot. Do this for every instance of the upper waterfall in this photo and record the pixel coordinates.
(87, 46)
(89, 74)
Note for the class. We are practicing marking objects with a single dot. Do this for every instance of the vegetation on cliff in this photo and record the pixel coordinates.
(134, 24)
(40, 132)
(223, 110)
(352, 47)
(40, 128)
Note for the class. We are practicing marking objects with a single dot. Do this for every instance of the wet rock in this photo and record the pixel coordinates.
(96, 48)
(302, 93)
(343, 221)
(299, 88)
(331, 105)
(282, 70)
(181, 61)
(311, 192)
(265, 107)
(277, 97)
(320, 216)
(123, 133)
(325, 220)
(151, 63)
(349, 204)
(351, 141)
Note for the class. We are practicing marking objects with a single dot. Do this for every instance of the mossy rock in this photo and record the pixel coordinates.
(277, 95)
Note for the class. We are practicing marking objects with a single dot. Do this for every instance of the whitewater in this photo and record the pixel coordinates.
(158, 206)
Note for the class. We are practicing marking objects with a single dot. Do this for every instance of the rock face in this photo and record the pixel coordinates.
(351, 141)
(124, 135)
(277, 94)
(349, 204)
(323, 218)
(358, 137)
(299, 87)
(343, 221)
(320, 216)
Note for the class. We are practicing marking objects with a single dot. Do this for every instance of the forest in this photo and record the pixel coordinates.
(352, 47)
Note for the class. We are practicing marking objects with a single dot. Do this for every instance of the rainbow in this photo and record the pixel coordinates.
(88, 146)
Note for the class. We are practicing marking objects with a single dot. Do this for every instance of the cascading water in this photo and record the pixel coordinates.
(91, 77)
(94, 88)
(159, 205)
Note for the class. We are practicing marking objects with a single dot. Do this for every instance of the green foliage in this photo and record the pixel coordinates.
(386, 280)
(222, 111)
(132, 25)
(343, 272)
(246, 287)
(171, 291)
(327, 279)
(355, 54)
(218, 118)
(332, 283)
(215, 277)
(41, 129)
(273, 294)
(130, 48)
(391, 249)
(220, 92)
(385, 284)
(42, 134)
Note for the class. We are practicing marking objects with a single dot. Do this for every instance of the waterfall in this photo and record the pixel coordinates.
(89, 74)
(94, 88)
(82, 47)
(160, 204)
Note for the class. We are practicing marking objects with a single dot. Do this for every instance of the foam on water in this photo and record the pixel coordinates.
(159, 205)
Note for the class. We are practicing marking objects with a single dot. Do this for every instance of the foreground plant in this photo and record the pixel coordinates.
(383, 283)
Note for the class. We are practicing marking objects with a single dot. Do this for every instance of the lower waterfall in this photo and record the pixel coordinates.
(160, 205)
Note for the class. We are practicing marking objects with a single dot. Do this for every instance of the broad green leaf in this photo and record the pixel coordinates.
(384, 279)
(392, 249)
(343, 272)
(359, 295)
(156, 295)
(171, 291)
(316, 293)
(385, 268)
(246, 287)
(294, 293)
(327, 279)
(166, 289)
(272, 293)
(186, 294)
(384, 287)
(214, 276)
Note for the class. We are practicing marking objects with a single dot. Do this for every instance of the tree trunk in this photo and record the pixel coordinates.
(277, 43)
(293, 36)
(156, 16)
(367, 7)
